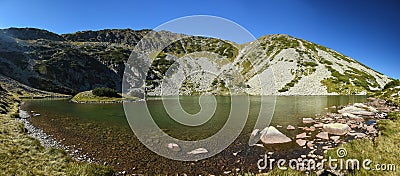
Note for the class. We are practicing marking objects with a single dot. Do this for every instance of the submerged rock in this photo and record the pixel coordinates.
(290, 127)
(174, 147)
(271, 135)
(336, 128)
(198, 151)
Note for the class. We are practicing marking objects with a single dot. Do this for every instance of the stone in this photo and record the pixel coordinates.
(333, 107)
(360, 135)
(279, 126)
(301, 142)
(290, 127)
(198, 151)
(310, 144)
(323, 135)
(349, 115)
(308, 120)
(360, 105)
(271, 135)
(372, 109)
(301, 135)
(353, 126)
(312, 128)
(227, 172)
(326, 148)
(336, 128)
(259, 145)
(318, 125)
(335, 138)
(371, 129)
(356, 111)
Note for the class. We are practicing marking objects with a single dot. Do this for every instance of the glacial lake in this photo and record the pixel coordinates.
(102, 131)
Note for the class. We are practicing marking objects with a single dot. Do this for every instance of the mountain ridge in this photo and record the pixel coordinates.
(90, 59)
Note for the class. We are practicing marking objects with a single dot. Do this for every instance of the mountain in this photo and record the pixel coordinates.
(273, 64)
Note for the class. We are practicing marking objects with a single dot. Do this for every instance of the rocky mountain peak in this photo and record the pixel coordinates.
(31, 34)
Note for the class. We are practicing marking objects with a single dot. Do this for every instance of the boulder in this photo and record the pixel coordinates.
(271, 135)
(356, 111)
(323, 135)
(336, 128)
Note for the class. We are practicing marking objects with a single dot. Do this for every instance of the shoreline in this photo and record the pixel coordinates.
(48, 141)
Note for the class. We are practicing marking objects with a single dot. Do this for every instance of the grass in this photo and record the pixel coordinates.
(23, 155)
(88, 97)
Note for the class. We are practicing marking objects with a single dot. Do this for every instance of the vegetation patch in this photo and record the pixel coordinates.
(102, 95)
(352, 81)
(290, 84)
(198, 44)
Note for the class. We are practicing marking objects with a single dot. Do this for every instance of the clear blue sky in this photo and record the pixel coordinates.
(368, 31)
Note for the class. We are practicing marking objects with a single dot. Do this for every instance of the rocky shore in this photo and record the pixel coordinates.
(47, 140)
(327, 131)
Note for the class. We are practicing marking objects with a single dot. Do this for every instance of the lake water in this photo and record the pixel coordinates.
(102, 131)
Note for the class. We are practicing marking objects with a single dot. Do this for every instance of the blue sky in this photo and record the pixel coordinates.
(365, 30)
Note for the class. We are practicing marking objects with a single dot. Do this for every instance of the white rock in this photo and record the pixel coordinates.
(273, 136)
(336, 128)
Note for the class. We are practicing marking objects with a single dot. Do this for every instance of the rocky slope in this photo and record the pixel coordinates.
(273, 64)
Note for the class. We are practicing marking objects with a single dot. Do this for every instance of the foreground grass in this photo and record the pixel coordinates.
(89, 97)
(23, 155)
(385, 150)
